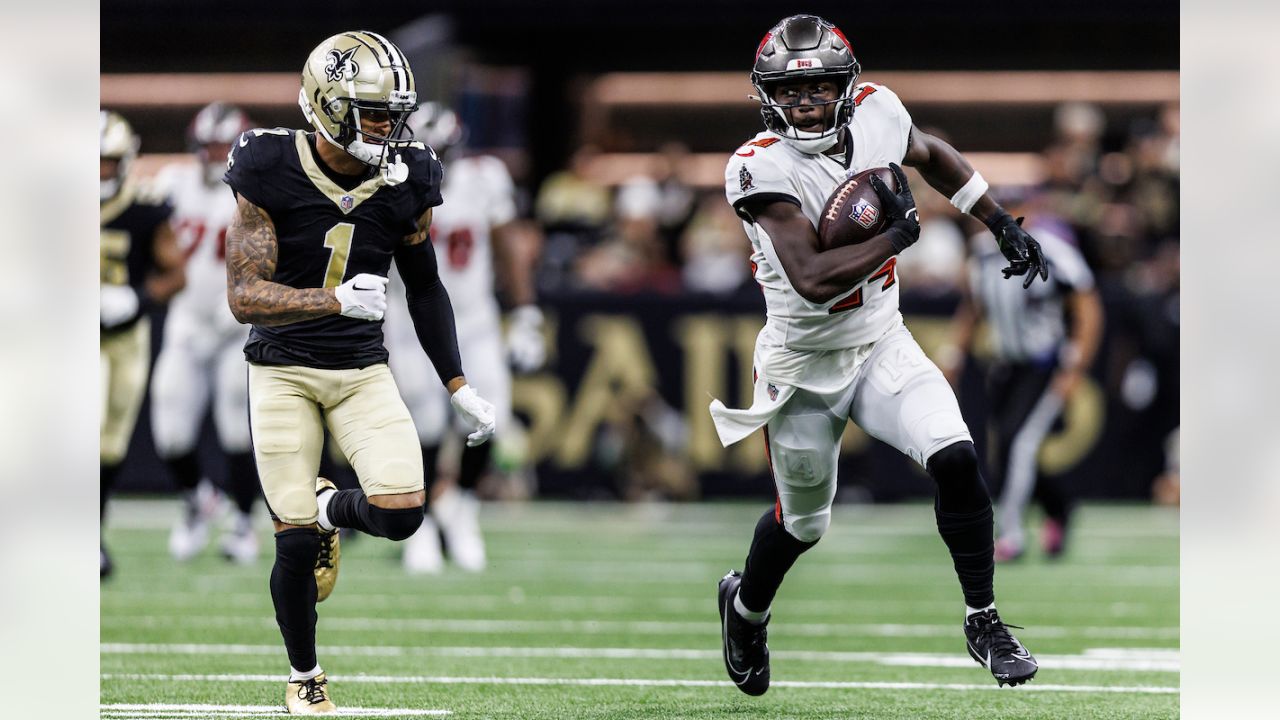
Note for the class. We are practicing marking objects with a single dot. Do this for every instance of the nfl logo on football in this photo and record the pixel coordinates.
(864, 213)
(347, 202)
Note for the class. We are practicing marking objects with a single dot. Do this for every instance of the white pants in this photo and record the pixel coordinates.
(484, 361)
(896, 395)
(199, 360)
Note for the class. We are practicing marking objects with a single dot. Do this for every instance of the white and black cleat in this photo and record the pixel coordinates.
(996, 649)
(746, 654)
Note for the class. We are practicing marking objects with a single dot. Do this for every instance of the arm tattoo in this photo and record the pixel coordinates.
(251, 263)
(424, 230)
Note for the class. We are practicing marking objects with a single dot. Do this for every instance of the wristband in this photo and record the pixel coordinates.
(968, 195)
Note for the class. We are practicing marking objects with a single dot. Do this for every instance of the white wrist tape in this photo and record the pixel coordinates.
(971, 193)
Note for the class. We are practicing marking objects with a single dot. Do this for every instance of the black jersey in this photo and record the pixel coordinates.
(325, 236)
(129, 223)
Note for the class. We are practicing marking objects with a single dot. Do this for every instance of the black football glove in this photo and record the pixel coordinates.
(1020, 249)
(902, 222)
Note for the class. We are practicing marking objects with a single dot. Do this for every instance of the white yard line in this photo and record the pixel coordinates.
(713, 519)
(630, 627)
(153, 710)
(515, 596)
(1129, 659)
(645, 682)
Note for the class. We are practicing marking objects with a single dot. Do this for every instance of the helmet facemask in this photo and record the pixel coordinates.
(805, 48)
(777, 116)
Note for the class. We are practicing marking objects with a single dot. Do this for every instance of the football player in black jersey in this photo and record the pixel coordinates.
(140, 263)
(319, 218)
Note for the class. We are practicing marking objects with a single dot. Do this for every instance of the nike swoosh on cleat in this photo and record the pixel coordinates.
(357, 287)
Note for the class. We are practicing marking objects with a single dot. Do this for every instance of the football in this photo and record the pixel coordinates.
(852, 213)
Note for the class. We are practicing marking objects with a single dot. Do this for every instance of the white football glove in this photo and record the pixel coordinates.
(478, 413)
(117, 304)
(363, 297)
(526, 345)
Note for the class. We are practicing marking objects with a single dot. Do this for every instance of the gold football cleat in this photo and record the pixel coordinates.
(309, 697)
(330, 552)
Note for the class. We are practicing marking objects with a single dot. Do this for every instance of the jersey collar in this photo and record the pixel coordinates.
(345, 200)
(112, 208)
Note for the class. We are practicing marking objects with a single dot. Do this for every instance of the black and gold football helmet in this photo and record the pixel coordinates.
(116, 141)
(352, 73)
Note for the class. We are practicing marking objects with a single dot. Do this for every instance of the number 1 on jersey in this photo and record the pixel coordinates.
(338, 240)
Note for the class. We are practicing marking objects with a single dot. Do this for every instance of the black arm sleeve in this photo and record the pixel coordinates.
(430, 308)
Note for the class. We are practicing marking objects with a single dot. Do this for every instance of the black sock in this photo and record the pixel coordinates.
(965, 521)
(475, 460)
(773, 552)
(106, 481)
(242, 480)
(293, 592)
(185, 470)
(351, 509)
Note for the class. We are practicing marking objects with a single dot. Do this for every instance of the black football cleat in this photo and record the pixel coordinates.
(105, 566)
(746, 655)
(996, 649)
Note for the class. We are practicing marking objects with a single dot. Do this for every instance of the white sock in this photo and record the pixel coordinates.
(322, 500)
(296, 676)
(751, 616)
(971, 611)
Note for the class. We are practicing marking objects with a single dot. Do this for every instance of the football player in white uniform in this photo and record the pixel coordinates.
(834, 348)
(203, 352)
(474, 230)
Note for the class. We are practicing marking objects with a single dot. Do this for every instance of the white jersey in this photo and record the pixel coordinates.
(769, 168)
(478, 196)
(201, 215)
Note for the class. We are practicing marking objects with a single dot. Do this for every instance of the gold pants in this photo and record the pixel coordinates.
(124, 360)
(289, 408)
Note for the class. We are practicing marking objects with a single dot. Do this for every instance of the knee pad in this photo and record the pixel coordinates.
(955, 460)
(960, 485)
(804, 452)
(395, 524)
(297, 549)
(810, 528)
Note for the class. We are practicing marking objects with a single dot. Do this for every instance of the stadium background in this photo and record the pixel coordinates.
(606, 87)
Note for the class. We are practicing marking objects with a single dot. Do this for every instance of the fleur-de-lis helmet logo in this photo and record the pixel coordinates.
(340, 65)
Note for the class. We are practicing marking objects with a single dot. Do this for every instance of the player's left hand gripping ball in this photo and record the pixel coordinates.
(902, 221)
(478, 413)
(1021, 250)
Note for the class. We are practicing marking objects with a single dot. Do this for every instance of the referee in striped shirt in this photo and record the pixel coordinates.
(1043, 339)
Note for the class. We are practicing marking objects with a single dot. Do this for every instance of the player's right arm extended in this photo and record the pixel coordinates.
(818, 277)
(251, 263)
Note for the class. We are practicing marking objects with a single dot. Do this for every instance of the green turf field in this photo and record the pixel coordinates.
(608, 611)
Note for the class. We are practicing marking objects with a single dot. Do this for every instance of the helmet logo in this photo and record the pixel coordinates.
(339, 65)
(803, 63)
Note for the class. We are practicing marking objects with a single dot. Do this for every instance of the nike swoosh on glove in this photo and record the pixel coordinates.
(363, 297)
(478, 413)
